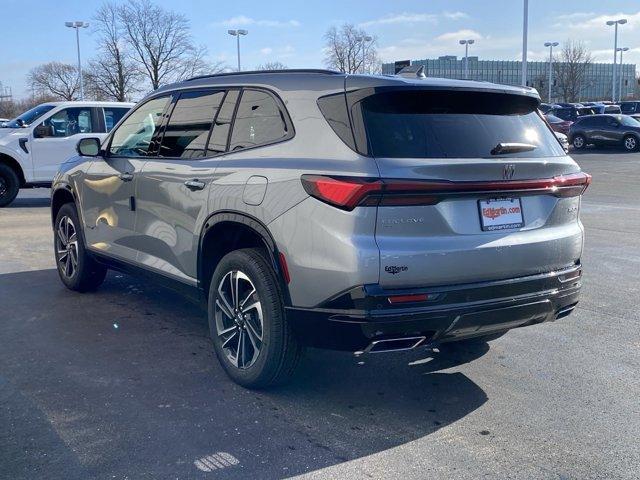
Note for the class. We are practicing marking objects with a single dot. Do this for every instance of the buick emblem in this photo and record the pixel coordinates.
(508, 171)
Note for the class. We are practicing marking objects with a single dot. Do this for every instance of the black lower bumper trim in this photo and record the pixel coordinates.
(461, 311)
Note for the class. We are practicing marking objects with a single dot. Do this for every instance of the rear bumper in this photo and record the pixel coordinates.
(364, 314)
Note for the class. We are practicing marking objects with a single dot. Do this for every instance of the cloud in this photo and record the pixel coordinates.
(596, 23)
(464, 34)
(400, 18)
(455, 15)
(406, 17)
(244, 21)
(266, 51)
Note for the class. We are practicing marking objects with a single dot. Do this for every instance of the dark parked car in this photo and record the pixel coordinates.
(606, 130)
(602, 108)
(557, 124)
(545, 108)
(630, 107)
(571, 113)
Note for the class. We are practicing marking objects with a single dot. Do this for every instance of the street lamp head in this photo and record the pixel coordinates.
(232, 32)
(463, 42)
(622, 21)
(243, 32)
(76, 24)
(69, 24)
(611, 22)
(551, 44)
(471, 42)
(625, 49)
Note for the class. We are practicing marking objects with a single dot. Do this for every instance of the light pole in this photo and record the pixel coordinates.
(466, 44)
(624, 49)
(621, 21)
(550, 45)
(525, 34)
(237, 33)
(78, 25)
(364, 41)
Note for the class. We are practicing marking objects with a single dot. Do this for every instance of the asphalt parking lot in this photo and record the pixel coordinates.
(123, 383)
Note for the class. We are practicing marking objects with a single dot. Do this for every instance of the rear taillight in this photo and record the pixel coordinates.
(349, 192)
(341, 192)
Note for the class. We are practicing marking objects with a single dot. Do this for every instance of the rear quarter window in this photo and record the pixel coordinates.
(441, 124)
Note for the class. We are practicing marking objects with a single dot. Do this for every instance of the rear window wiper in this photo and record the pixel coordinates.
(503, 148)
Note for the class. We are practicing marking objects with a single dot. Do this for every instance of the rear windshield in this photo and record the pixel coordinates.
(440, 124)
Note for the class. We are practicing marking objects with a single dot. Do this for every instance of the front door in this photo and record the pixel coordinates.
(109, 186)
(60, 135)
(173, 192)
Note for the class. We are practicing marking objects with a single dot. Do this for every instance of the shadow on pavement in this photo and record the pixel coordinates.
(124, 382)
(29, 202)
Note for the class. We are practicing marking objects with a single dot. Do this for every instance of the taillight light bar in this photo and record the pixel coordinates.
(349, 192)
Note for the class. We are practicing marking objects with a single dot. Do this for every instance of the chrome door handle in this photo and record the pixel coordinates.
(126, 176)
(194, 184)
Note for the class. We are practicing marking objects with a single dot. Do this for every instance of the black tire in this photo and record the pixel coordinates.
(87, 274)
(9, 185)
(579, 141)
(630, 143)
(278, 352)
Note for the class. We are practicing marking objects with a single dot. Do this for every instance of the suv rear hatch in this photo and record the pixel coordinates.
(476, 186)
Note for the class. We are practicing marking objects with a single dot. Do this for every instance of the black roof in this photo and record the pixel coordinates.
(256, 72)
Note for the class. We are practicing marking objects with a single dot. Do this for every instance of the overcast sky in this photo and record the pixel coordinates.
(292, 31)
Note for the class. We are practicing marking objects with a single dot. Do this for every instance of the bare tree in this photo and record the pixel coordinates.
(345, 51)
(161, 43)
(56, 79)
(570, 70)
(272, 66)
(112, 74)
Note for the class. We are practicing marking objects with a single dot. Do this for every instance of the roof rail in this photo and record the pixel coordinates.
(256, 72)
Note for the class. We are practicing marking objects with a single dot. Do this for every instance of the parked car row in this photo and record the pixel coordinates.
(596, 123)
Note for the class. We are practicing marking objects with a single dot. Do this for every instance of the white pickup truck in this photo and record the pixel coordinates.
(35, 144)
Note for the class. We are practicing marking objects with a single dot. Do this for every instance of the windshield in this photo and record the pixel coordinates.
(627, 121)
(28, 117)
(436, 124)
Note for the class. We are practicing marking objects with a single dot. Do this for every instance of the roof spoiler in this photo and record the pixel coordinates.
(412, 71)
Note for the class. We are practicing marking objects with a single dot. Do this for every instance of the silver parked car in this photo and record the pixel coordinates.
(309, 207)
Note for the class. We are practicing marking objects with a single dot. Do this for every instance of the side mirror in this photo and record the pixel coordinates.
(42, 131)
(88, 147)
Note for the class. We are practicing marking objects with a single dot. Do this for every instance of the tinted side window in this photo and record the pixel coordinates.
(220, 134)
(259, 121)
(112, 115)
(70, 121)
(133, 137)
(188, 128)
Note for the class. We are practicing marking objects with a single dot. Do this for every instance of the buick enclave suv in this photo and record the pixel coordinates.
(362, 213)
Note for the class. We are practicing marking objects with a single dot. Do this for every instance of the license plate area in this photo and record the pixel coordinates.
(503, 213)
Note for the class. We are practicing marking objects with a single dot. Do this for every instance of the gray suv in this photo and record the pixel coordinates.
(313, 208)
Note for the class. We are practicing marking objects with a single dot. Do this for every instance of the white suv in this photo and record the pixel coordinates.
(35, 144)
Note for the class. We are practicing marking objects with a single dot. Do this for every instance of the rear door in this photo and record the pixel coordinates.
(470, 193)
(173, 191)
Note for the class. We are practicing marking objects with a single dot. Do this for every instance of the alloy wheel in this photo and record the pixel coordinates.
(67, 247)
(630, 143)
(239, 320)
(578, 142)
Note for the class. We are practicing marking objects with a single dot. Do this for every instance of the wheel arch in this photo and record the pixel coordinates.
(15, 165)
(226, 231)
(61, 195)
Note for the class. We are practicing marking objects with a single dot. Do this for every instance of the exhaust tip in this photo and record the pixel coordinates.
(393, 345)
